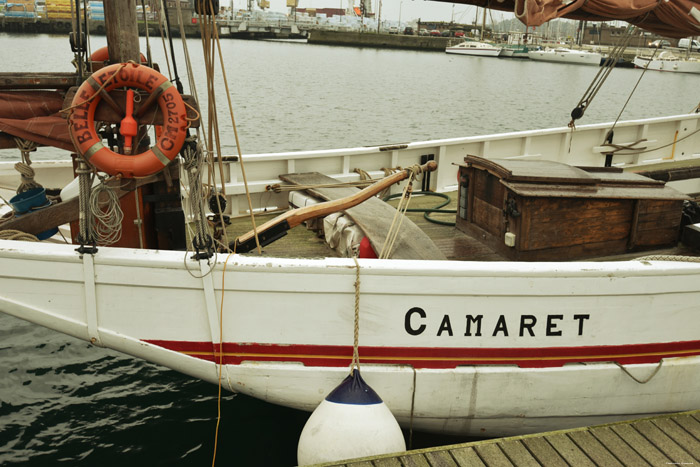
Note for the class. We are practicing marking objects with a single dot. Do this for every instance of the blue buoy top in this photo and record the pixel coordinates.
(354, 390)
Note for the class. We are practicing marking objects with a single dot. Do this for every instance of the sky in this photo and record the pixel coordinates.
(391, 9)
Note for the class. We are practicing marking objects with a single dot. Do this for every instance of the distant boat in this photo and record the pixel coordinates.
(515, 51)
(479, 49)
(563, 55)
(667, 61)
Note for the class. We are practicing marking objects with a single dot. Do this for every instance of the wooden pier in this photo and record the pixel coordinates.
(657, 441)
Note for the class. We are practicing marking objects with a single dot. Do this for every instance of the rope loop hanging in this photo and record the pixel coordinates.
(27, 181)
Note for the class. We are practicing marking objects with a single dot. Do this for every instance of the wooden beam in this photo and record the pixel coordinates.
(29, 80)
(121, 30)
(153, 116)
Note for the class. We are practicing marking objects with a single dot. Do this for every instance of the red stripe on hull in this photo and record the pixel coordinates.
(417, 357)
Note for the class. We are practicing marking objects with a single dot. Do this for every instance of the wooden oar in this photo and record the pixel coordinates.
(277, 228)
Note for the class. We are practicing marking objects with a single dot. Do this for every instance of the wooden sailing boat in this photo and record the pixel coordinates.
(475, 347)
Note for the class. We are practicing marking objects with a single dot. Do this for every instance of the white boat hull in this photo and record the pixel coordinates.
(475, 348)
(288, 324)
(476, 49)
(571, 57)
(673, 66)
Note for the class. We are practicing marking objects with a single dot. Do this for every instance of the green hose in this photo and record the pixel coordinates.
(426, 212)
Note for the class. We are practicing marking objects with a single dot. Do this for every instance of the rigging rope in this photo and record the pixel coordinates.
(600, 77)
(399, 215)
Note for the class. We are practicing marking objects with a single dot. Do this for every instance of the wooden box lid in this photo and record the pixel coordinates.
(536, 178)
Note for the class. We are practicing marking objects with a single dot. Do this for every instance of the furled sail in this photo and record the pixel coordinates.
(35, 116)
(671, 18)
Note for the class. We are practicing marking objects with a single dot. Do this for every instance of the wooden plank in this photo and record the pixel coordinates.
(544, 452)
(663, 442)
(414, 460)
(517, 453)
(374, 217)
(593, 449)
(617, 446)
(440, 459)
(467, 457)
(569, 450)
(360, 464)
(388, 462)
(492, 455)
(689, 424)
(689, 443)
(488, 217)
(640, 444)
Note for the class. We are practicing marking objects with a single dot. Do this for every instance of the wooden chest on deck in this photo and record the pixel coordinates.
(544, 211)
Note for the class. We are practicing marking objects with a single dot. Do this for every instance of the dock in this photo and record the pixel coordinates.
(657, 441)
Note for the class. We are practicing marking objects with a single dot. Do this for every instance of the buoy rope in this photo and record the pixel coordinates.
(641, 381)
(356, 331)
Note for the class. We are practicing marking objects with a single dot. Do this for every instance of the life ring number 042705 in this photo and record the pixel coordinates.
(131, 75)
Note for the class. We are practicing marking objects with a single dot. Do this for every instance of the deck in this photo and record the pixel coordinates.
(301, 242)
(663, 440)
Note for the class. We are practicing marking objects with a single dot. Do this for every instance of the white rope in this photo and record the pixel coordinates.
(107, 215)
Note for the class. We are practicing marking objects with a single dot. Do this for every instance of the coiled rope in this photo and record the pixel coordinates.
(27, 181)
(11, 234)
(106, 213)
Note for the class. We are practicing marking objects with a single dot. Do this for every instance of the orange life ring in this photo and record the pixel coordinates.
(102, 55)
(81, 122)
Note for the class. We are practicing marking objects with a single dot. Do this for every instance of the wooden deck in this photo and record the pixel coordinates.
(301, 242)
(656, 441)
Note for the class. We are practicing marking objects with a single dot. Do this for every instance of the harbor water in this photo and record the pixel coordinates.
(65, 401)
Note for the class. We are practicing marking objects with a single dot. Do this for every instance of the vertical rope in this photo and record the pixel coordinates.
(356, 331)
(399, 216)
(85, 217)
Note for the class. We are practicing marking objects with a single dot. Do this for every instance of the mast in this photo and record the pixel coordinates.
(483, 24)
(121, 30)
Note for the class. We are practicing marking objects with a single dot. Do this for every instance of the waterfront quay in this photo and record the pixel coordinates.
(664, 440)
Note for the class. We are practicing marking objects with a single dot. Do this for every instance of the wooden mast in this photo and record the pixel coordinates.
(122, 30)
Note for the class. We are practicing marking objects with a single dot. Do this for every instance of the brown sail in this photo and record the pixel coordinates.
(671, 18)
